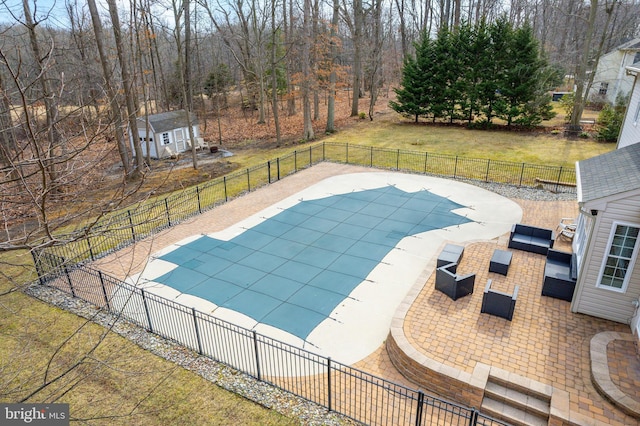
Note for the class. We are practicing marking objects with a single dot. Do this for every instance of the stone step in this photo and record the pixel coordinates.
(510, 414)
(517, 398)
(521, 384)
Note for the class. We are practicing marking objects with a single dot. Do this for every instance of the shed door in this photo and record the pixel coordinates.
(180, 145)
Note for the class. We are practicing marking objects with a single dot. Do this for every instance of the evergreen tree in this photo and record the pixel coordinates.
(443, 75)
(413, 95)
(522, 66)
(492, 84)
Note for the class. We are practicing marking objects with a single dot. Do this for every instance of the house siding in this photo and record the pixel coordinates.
(600, 302)
(630, 133)
(611, 70)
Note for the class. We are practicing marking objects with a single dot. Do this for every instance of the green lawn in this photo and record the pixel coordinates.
(539, 148)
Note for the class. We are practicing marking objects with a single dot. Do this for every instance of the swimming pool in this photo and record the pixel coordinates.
(326, 268)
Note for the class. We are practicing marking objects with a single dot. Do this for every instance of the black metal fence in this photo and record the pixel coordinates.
(137, 222)
(351, 392)
(337, 387)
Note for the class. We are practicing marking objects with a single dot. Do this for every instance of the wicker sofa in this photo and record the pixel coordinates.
(560, 275)
(531, 239)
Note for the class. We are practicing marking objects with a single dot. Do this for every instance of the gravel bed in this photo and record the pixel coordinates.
(289, 405)
(524, 193)
(294, 407)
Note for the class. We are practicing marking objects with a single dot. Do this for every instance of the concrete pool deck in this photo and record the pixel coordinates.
(547, 356)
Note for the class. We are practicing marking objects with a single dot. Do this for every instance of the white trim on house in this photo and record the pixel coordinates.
(631, 258)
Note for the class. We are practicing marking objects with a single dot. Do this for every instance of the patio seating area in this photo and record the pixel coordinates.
(544, 345)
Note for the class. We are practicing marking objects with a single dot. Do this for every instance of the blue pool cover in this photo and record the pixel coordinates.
(293, 269)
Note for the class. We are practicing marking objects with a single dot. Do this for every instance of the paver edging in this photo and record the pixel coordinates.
(431, 375)
(601, 377)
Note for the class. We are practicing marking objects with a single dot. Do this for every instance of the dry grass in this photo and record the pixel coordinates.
(120, 383)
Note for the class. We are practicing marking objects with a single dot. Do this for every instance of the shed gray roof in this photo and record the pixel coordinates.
(166, 121)
(609, 174)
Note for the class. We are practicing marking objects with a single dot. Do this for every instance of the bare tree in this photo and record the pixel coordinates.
(333, 75)
(128, 88)
(112, 95)
(307, 132)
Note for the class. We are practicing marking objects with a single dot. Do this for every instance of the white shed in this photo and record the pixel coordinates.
(168, 133)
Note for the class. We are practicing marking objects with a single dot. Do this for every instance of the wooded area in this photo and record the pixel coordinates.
(74, 76)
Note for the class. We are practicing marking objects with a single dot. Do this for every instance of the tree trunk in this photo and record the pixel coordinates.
(333, 75)
(307, 133)
(274, 74)
(49, 98)
(187, 89)
(376, 56)
(581, 74)
(358, 19)
(7, 134)
(109, 88)
(129, 93)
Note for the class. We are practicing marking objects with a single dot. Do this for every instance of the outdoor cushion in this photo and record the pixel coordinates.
(454, 286)
(559, 275)
(531, 239)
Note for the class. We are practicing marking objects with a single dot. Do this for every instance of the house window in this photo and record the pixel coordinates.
(603, 88)
(165, 139)
(636, 58)
(637, 114)
(621, 251)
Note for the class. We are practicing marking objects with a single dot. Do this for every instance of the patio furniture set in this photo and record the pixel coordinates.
(559, 273)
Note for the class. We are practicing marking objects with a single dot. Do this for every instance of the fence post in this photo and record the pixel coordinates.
(324, 156)
(419, 408)
(559, 177)
(473, 420)
(398, 160)
(269, 171)
(255, 348)
(426, 156)
(146, 310)
(371, 156)
(226, 197)
(166, 206)
(66, 273)
(486, 178)
(248, 181)
(347, 153)
(198, 195)
(195, 325)
(329, 383)
(278, 166)
(295, 160)
(133, 231)
(455, 168)
(104, 291)
(521, 175)
(90, 249)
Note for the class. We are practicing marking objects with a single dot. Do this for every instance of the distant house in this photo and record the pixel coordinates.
(630, 132)
(606, 243)
(168, 133)
(610, 78)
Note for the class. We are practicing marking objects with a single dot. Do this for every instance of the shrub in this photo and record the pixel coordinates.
(609, 123)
